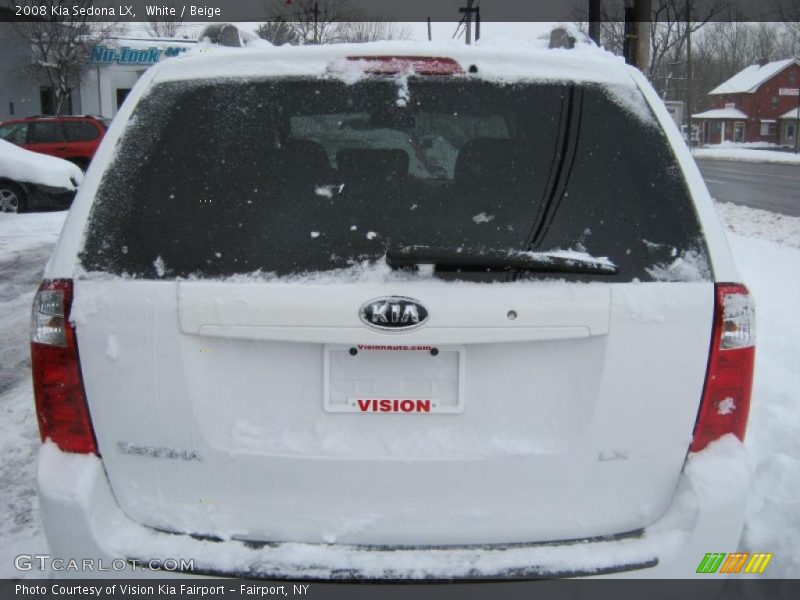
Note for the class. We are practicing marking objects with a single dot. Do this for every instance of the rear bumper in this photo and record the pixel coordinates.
(83, 521)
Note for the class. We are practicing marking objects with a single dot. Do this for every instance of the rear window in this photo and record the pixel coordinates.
(295, 176)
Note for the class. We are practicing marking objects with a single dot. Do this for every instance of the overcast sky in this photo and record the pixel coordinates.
(489, 31)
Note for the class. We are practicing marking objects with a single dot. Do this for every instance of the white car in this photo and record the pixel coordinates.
(393, 311)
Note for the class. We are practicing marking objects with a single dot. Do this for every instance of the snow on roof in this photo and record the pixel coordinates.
(25, 166)
(721, 113)
(748, 80)
(791, 114)
(533, 60)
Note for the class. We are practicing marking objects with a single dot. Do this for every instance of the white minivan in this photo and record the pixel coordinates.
(390, 311)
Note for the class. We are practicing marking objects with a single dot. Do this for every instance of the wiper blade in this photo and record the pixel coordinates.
(555, 261)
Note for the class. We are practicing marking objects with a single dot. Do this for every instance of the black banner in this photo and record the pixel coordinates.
(173, 589)
(129, 11)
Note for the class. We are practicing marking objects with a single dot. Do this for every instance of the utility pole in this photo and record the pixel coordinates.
(636, 48)
(595, 19)
(468, 17)
(629, 31)
(430, 36)
(796, 127)
(689, 131)
(468, 11)
(316, 22)
(641, 12)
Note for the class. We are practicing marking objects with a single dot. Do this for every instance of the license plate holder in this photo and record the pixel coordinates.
(393, 379)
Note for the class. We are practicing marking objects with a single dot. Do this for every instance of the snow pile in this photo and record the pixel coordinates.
(719, 471)
(747, 155)
(25, 166)
(20, 529)
(25, 244)
(727, 144)
(763, 224)
(773, 522)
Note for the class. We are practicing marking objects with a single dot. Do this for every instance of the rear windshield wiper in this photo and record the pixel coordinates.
(555, 261)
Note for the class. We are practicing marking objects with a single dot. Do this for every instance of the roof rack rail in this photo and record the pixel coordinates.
(561, 38)
(224, 34)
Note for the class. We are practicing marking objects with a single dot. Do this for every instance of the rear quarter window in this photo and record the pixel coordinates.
(45, 132)
(79, 131)
(294, 176)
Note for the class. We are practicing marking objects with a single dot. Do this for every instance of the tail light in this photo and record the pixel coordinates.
(57, 383)
(729, 379)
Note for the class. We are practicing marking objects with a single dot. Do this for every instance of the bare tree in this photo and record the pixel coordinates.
(325, 22)
(278, 32)
(721, 45)
(788, 11)
(165, 26)
(61, 44)
(668, 33)
(373, 31)
(314, 21)
(672, 24)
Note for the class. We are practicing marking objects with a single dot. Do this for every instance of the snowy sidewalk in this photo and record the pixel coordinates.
(747, 153)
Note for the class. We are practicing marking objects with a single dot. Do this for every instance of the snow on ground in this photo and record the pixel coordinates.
(752, 145)
(753, 222)
(770, 270)
(766, 247)
(748, 152)
(25, 244)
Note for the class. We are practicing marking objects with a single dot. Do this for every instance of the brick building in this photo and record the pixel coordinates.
(758, 104)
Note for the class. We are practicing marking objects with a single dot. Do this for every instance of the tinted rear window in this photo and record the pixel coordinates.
(296, 176)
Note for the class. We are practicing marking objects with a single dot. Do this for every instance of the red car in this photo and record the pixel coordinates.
(72, 138)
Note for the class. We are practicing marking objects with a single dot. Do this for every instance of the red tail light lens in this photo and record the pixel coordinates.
(421, 65)
(729, 379)
(57, 383)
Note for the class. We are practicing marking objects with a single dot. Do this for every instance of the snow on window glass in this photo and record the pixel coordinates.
(295, 176)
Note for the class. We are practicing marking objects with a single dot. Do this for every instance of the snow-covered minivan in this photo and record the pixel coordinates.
(393, 311)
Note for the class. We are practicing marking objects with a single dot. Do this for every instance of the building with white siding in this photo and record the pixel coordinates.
(109, 74)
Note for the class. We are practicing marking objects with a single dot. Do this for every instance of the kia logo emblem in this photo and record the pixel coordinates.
(394, 313)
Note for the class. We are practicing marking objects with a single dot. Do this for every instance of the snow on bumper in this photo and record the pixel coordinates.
(82, 520)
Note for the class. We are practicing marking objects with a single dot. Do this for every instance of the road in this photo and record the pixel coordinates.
(769, 186)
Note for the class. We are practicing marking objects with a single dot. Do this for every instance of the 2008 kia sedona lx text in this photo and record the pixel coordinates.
(393, 311)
